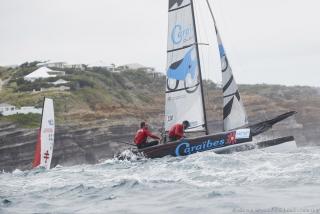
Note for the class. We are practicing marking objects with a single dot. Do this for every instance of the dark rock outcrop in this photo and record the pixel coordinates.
(85, 143)
(89, 143)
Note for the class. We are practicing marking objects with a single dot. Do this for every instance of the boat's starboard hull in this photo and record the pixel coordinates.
(189, 146)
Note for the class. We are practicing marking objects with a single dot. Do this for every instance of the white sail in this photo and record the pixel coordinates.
(44, 148)
(183, 89)
(234, 114)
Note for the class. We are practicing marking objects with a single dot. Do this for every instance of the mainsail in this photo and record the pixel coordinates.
(45, 141)
(234, 114)
(184, 100)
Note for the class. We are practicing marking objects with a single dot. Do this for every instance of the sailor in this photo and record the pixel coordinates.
(176, 132)
(141, 137)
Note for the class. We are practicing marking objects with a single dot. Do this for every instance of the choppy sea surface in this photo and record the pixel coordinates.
(246, 182)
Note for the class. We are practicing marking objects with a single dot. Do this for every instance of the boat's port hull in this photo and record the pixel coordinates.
(284, 144)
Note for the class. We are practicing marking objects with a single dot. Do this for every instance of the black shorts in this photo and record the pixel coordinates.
(147, 144)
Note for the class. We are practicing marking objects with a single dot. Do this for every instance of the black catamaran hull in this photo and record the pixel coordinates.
(278, 144)
(189, 146)
(226, 142)
(219, 144)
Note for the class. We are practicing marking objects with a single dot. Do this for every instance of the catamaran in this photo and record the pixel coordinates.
(185, 99)
(45, 140)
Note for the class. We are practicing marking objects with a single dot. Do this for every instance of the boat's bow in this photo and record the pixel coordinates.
(264, 126)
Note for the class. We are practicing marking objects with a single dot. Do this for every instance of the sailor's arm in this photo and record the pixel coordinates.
(152, 135)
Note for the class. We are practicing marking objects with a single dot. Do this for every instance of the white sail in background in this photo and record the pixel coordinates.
(44, 147)
(183, 89)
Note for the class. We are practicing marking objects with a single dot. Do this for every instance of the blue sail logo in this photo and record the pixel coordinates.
(181, 34)
(184, 70)
(221, 50)
(180, 69)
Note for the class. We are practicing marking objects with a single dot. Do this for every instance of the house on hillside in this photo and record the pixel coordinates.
(101, 64)
(29, 109)
(7, 109)
(59, 82)
(135, 66)
(63, 65)
(52, 64)
(75, 66)
(43, 73)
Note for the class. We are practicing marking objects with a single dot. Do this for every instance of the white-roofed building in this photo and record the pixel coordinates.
(101, 64)
(43, 73)
(6, 109)
(59, 82)
(76, 66)
(52, 64)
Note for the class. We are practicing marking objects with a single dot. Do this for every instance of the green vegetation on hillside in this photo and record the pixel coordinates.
(24, 120)
(100, 94)
(93, 93)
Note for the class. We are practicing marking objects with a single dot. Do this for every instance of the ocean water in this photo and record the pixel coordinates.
(246, 182)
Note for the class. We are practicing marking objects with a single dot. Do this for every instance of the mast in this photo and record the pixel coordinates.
(199, 66)
(44, 99)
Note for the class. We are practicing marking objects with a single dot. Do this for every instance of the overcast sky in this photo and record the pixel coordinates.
(267, 41)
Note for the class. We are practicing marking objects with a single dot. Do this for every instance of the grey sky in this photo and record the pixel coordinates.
(267, 41)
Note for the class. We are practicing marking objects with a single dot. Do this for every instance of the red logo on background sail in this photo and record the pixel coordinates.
(231, 138)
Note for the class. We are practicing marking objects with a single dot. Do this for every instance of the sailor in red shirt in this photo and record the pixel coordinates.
(176, 132)
(141, 137)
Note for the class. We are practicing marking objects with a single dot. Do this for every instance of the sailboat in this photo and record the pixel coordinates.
(45, 140)
(185, 99)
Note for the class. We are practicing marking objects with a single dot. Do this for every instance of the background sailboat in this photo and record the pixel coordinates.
(45, 140)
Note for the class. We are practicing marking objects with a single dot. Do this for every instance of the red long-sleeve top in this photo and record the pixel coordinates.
(142, 135)
(176, 131)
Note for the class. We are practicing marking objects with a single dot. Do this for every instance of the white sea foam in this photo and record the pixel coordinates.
(253, 181)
